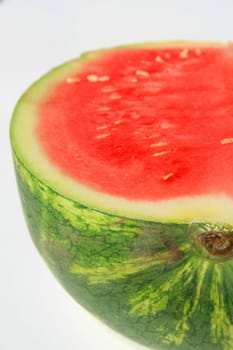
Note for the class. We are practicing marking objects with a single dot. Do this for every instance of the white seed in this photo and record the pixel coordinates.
(136, 132)
(134, 80)
(159, 154)
(101, 127)
(135, 115)
(167, 55)
(104, 78)
(103, 109)
(165, 124)
(72, 80)
(167, 176)
(158, 144)
(227, 141)
(92, 78)
(115, 96)
(142, 73)
(118, 121)
(147, 63)
(198, 52)
(184, 53)
(102, 136)
(108, 89)
(159, 59)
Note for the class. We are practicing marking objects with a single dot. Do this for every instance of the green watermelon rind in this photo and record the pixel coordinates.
(142, 278)
(147, 279)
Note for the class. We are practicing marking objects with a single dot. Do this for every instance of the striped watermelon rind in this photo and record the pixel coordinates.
(158, 282)
(145, 279)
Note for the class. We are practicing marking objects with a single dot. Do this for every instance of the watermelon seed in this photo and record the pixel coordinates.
(71, 80)
(158, 144)
(184, 53)
(134, 80)
(142, 73)
(165, 125)
(198, 52)
(167, 55)
(135, 115)
(103, 109)
(147, 63)
(158, 154)
(102, 136)
(108, 89)
(168, 176)
(227, 141)
(115, 96)
(153, 136)
(92, 78)
(104, 78)
(118, 122)
(101, 127)
(159, 59)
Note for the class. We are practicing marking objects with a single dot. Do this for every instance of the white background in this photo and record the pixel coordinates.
(35, 312)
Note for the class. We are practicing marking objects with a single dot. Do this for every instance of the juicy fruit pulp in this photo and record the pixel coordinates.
(145, 123)
(165, 283)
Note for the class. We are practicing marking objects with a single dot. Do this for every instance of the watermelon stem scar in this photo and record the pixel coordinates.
(216, 242)
(124, 163)
(212, 241)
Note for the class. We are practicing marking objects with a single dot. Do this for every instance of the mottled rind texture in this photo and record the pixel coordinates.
(144, 279)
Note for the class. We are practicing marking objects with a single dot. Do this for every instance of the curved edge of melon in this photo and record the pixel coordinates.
(185, 209)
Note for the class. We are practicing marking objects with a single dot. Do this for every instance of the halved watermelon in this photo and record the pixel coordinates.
(124, 161)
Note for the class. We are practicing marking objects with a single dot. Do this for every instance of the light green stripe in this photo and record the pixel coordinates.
(221, 327)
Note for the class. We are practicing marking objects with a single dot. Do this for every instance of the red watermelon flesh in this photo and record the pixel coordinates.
(145, 123)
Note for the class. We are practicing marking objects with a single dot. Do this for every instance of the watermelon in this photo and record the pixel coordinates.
(123, 160)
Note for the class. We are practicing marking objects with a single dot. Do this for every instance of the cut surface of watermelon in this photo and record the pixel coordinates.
(145, 131)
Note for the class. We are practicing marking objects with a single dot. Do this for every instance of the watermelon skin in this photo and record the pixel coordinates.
(144, 279)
